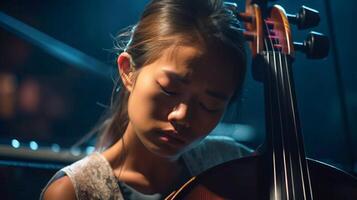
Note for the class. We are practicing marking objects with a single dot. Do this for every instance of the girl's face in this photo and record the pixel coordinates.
(178, 99)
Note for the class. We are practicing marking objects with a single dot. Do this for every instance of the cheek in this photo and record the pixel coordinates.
(205, 123)
(138, 104)
(145, 105)
(203, 126)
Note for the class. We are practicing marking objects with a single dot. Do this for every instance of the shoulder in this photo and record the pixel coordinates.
(212, 151)
(225, 142)
(62, 188)
(220, 146)
(93, 178)
(88, 178)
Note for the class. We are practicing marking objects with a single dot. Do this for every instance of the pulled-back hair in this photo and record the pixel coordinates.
(166, 23)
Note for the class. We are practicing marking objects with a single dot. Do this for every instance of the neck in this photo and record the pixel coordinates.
(143, 170)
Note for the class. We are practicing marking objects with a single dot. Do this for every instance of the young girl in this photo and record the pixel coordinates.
(183, 64)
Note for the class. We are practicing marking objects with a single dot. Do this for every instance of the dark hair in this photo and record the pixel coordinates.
(167, 23)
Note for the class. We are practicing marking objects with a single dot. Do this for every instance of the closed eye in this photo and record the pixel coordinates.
(210, 110)
(166, 91)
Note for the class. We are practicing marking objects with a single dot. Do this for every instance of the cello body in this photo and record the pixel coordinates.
(245, 179)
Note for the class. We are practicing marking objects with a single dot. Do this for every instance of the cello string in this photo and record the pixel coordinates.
(271, 84)
(272, 127)
(293, 112)
(280, 88)
(287, 97)
(272, 130)
(270, 112)
(270, 47)
(285, 128)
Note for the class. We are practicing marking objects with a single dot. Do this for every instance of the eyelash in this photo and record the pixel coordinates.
(169, 93)
(209, 110)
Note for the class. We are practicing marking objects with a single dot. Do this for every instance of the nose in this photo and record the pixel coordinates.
(180, 115)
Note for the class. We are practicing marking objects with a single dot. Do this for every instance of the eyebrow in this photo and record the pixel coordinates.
(214, 94)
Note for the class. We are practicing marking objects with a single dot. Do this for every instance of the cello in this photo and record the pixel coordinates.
(281, 171)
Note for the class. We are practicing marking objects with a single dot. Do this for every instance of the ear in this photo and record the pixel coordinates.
(126, 70)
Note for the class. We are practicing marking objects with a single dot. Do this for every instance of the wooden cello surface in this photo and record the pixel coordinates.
(281, 171)
(245, 179)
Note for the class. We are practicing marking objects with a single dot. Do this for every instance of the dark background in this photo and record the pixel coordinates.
(56, 102)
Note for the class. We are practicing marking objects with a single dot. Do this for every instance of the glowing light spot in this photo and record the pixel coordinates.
(33, 145)
(89, 150)
(56, 148)
(15, 143)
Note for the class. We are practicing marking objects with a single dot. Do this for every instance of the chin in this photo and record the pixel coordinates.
(167, 153)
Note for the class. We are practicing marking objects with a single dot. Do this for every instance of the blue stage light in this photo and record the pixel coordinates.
(89, 150)
(55, 147)
(33, 145)
(15, 143)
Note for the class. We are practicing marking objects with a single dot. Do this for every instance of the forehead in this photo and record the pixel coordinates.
(195, 65)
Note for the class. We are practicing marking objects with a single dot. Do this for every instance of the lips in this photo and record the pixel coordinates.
(173, 137)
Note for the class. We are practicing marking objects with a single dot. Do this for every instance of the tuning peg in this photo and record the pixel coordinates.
(315, 46)
(305, 18)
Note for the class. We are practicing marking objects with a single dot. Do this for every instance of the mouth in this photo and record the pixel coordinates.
(172, 137)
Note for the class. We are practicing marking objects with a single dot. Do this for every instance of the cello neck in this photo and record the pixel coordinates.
(273, 50)
(270, 40)
(284, 143)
